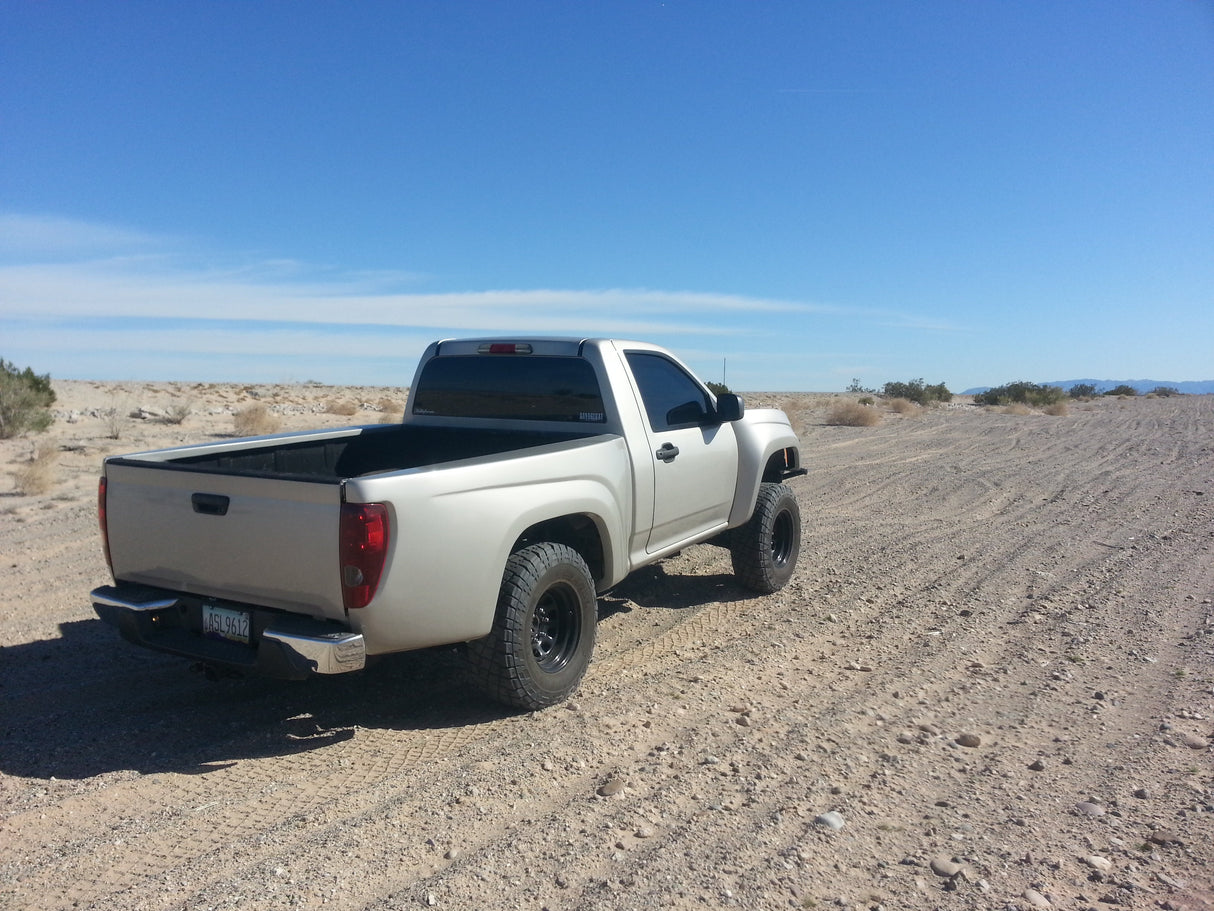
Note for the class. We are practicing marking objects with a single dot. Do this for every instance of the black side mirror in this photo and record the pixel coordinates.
(687, 413)
(730, 407)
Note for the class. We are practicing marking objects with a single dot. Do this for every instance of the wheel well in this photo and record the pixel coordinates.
(780, 463)
(577, 531)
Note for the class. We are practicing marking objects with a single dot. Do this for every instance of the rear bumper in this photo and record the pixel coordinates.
(280, 645)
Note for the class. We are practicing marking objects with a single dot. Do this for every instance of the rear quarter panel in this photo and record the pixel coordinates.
(454, 528)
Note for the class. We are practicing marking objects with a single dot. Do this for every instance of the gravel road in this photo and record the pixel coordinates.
(990, 684)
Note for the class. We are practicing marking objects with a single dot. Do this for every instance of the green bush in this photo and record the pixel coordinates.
(25, 400)
(1123, 389)
(1165, 391)
(1082, 391)
(717, 388)
(1021, 393)
(918, 392)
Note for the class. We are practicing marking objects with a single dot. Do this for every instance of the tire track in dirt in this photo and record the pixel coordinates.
(180, 820)
(379, 790)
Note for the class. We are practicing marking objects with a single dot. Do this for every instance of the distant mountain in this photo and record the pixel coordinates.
(1188, 387)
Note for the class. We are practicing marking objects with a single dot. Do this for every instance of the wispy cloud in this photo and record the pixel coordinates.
(52, 237)
(98, 301)
(136, 287)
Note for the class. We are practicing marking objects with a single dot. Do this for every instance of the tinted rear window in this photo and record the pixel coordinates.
(512, 386)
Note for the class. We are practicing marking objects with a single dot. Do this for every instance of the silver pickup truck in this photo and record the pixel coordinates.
(526, 477)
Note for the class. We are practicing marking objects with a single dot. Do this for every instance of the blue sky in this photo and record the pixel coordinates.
(796, 193)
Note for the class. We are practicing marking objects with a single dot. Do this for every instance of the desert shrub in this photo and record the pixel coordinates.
(852, 414)
(918, 392)
(904, 406)
(868, 400)
(1165, 391)
(1021, 393)
(342, 407)
(857, 389)
(115, 421)
(794, 409)
(255, 420)
(717, 388)
(25, 401)
(1057, 410)
(938, 393)
(1124, 389)
(178, 413)
(1082, 391)
(1017, 408)
(38, 474)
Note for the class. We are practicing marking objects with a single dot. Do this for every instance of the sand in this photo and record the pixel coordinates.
(990, 684)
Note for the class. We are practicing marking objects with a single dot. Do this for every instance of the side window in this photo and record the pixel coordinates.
(671, 397)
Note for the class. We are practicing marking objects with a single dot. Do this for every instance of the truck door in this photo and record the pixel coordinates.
(695, 459)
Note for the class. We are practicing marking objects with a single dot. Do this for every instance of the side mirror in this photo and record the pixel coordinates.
(730, 407)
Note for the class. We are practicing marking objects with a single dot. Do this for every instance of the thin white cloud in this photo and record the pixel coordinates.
(150, 308)
(137, 288)
(894, 320)
(49, 236)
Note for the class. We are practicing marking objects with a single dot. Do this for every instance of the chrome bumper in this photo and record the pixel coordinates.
(280, 644)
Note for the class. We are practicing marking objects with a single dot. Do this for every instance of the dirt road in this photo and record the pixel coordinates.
(989, 685)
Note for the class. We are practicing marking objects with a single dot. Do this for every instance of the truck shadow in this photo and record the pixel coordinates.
(87, 703)
(655, 588)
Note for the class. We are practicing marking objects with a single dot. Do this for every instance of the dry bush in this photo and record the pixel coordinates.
(792, 407)
(343, 407)
(853, 414)
(39, 473)
(905, 406)
(177, 414)
(1017, 408)
(255, 420)
(1057, 410)
(116, 421)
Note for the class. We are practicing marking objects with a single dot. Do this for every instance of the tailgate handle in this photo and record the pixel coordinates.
(210, 504)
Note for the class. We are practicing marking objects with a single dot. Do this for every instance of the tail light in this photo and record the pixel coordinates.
(364, 549)
(504, 348)
(101, 520)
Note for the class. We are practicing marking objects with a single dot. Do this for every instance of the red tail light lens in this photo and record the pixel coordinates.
(364, 549)
(504, 348)
(101, 520)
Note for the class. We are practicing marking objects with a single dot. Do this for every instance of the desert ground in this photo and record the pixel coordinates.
(990, 684)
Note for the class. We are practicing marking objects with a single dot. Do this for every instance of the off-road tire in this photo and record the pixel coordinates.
(765, 549)
(543, 632)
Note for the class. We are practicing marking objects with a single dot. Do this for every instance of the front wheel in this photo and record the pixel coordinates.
(543, 632)
(765, 549)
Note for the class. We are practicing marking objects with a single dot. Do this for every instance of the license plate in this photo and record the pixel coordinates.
(221, 623)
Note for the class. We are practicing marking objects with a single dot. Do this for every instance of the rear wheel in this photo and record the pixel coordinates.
(543, 632)
(765, 549)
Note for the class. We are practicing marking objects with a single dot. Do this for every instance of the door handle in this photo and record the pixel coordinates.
(667, 452)
(210, 504)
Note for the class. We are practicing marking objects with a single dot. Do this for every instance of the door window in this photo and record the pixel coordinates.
(672, 398)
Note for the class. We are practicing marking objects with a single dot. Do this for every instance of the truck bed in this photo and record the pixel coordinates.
(257, 520)
(368, 450)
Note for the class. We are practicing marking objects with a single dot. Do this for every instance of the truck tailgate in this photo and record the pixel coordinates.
(262, 540)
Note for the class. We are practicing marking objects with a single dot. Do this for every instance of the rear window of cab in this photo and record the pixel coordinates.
(510, 387)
